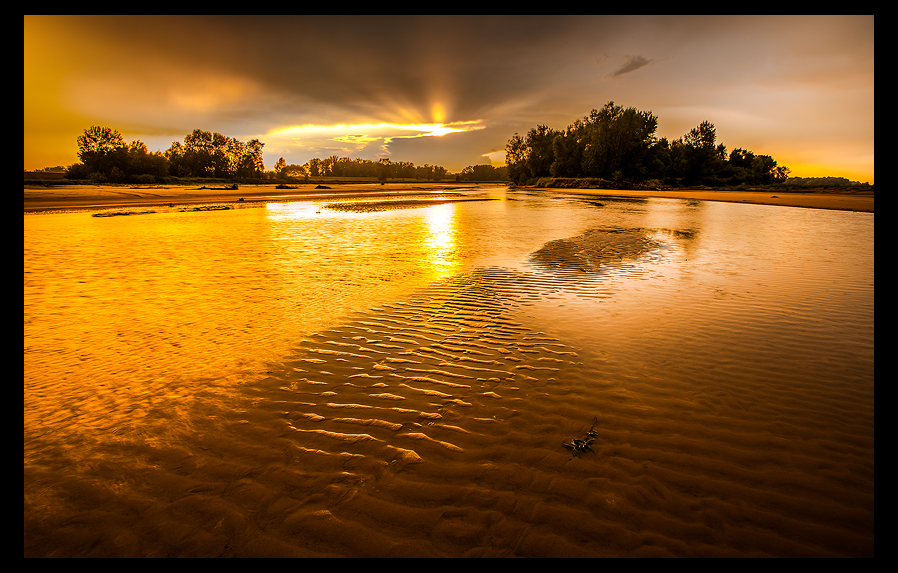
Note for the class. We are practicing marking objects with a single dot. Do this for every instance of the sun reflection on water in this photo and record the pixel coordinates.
(441, 239)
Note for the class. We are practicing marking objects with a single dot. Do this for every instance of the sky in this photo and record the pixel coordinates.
(450, 90)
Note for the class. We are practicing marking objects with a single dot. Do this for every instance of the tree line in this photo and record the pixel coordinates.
(620, 145)
(104, 156)
(381, 169)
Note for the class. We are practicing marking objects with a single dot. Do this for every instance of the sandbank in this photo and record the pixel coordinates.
(843, 201)
(37, 198)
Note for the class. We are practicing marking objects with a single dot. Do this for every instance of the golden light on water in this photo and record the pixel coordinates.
(441, 239)
(189, 369)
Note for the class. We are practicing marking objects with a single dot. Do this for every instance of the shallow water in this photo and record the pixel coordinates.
(298, 380)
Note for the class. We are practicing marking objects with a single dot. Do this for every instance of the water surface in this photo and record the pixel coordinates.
(295, 379)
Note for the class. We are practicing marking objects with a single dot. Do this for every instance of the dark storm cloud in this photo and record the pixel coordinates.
(761, 79)
(361, 65)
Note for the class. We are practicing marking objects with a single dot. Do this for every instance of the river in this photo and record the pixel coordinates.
(337, 378)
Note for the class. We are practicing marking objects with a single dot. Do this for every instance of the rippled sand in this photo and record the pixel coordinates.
(435, 427)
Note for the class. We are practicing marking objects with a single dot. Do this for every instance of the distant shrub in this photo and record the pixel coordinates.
(822, 182)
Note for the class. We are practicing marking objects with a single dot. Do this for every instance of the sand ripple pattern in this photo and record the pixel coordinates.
(593, 249)
(433, 427)
(458, 411)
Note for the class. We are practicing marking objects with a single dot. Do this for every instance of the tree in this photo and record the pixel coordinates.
(293, 170)
(314, 167)
(567, 148)
(763, 169)
(515, 154)
(252, 158)
(703, 136)
(383, 170)
(279, 166)
(699, 150)
(781, 174)
(540, 151)
(657, 160)
(98, 140)
(222, 159)
(482, 173)
(620, 144)
(177, 164)
(99, 149)
(610, 143)
(198, 153)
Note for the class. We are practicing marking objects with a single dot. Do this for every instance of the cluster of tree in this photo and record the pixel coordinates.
(483, 173)
(105, 157)
(205, 154)
(619, 144)
(381, 169)
(823, 182)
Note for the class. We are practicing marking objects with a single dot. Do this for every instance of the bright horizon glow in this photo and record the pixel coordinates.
(355, 139)
(384, 130)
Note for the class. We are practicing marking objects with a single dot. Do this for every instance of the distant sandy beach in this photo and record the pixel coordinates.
(815, 200)
(38, 198)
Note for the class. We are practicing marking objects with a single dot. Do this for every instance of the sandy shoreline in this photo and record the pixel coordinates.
(94, 196)
(815, 200)
(98, 196)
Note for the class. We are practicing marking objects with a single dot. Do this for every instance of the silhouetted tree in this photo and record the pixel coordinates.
(100, 148)
(106, 158)
(279, 166)
(540, 151)
(567, 148)
(208, 154)
(699, 151)
(616, 142)
(482, 173)
(515, 155)
(619, 144)
(314, 167)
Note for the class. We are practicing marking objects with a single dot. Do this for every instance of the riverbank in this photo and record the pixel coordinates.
(816, 199)
(39, 198)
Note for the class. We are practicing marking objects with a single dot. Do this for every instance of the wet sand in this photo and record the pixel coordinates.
(95, 196)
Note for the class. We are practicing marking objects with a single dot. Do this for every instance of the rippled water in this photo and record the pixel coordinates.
(317, 378)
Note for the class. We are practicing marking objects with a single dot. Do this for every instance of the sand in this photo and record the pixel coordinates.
(38, 198)
(816, 200)
(102, 197)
